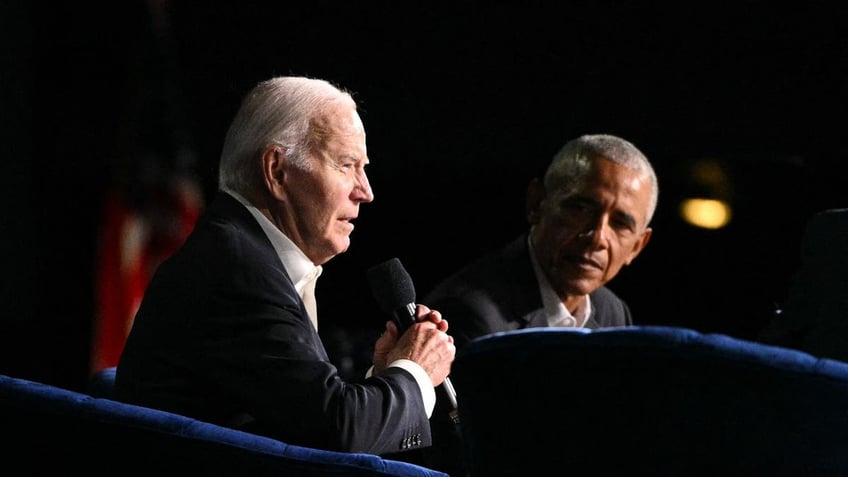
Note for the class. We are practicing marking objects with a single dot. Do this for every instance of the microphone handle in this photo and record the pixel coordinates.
(451, 392)
(404, 317)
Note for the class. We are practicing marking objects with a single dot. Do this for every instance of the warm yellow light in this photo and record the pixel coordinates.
(705, 213)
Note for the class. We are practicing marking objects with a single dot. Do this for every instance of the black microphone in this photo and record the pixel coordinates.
(395, 294)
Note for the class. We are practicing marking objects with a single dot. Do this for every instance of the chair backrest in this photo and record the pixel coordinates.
(648, 401)
(49, 430)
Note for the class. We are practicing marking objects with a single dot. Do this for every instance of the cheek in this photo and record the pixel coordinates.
(627, 252)
(324, 199)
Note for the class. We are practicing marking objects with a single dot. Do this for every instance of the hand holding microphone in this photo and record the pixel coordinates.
(427, 344)
(395, 294)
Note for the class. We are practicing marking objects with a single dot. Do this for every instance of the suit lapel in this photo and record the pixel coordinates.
(227, 208)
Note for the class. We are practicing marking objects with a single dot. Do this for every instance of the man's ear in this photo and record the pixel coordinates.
(274, 170)
(535, 195)
(639, 245)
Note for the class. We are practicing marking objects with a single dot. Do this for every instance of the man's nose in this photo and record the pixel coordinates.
(595, 230)
(363, 188)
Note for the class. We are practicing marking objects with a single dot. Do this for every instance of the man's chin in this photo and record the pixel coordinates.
(582, 285)
(340, 246)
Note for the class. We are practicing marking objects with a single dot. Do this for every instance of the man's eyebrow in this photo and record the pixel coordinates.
(627, 217)
(349, 156)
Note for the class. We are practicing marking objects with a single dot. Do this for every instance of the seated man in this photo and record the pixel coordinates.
(588, 218)
(227, 331)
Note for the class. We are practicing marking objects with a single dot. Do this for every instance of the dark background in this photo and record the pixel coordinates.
(463, 103)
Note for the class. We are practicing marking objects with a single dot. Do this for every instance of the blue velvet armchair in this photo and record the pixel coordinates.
(658, 401)
(48, 430)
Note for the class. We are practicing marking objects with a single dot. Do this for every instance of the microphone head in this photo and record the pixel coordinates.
(391, 285)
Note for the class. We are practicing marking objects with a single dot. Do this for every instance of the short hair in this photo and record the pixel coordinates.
(284, 110)
(572, 161)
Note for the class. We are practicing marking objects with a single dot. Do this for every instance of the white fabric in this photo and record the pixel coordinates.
(308, 294)
(301, 270)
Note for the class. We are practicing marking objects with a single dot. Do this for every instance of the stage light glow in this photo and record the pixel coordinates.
(705, 213)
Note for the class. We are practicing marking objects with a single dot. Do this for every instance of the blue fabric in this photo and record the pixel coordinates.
(648, 401)
(53, 430)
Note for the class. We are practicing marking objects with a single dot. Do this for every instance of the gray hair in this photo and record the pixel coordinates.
(571, 163)
(283, 111)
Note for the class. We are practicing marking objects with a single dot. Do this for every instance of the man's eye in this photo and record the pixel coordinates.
(623, 223)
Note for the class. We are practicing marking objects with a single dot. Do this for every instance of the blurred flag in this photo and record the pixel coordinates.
(134, 238)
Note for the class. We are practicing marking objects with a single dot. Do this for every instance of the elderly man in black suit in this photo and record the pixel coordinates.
(588, 218)
(227, 330)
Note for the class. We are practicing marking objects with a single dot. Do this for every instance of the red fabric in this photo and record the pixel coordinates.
(133, 242)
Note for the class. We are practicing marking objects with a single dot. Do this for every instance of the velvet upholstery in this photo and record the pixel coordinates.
(648, 400)
(53, 431)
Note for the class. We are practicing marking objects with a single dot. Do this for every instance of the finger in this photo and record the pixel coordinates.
(433, 316)
(421, 311)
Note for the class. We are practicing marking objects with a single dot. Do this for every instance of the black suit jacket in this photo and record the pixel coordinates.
(222, 336)
(499, 292)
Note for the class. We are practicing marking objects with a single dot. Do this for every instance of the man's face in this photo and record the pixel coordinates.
(584, 233)
(323, 201)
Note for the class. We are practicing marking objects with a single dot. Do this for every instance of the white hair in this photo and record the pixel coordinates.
(285, 111)
(572, 162)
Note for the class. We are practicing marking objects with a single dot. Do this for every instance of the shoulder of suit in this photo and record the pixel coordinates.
(604, 296)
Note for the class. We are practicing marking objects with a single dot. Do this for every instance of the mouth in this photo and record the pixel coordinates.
(347, 221)
(586, 263)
